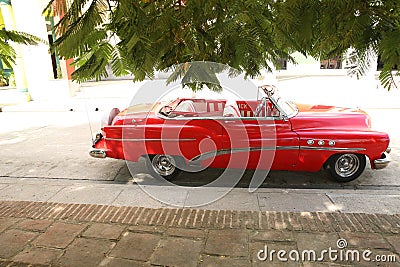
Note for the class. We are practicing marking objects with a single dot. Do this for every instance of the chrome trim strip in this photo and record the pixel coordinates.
(237, 150)
(220, 152)
(151, 139)
(332, 148)
(219, 118)
(122, 126)
(287, 148)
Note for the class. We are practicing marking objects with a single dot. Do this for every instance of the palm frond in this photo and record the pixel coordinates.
(119, 66)
(7, 54)
(360, 62)
(389, 50)
(387, 78)
(83, 32)
(93, 65)
(20, 37)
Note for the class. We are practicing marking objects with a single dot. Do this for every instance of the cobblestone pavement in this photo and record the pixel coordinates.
(44, 233)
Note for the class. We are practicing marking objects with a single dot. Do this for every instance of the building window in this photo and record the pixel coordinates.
(332, 63)
(282, 64)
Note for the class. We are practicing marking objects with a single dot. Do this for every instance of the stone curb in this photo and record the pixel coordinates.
(210, 219)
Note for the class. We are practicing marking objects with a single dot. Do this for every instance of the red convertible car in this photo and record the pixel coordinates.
(265, 133)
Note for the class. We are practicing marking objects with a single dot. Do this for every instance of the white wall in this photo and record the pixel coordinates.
(37, 60)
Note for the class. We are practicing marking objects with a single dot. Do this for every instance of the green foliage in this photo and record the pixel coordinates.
(390, 54)
(7, 52)
(199, 74)
(359, 62)
(140, 37)
(4, 78)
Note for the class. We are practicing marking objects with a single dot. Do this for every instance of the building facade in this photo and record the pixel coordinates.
(39, 74)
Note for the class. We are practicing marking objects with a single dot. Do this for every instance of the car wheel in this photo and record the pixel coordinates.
(162, 165)
(346, 167)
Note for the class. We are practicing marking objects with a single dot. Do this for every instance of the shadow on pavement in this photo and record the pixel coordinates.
(275, 179)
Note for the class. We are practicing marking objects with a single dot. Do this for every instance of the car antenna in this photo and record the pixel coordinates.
(90, 125)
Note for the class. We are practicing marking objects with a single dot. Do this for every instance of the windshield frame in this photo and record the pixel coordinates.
(270, 92)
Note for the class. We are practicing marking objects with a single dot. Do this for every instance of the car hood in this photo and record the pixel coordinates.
(320, 117)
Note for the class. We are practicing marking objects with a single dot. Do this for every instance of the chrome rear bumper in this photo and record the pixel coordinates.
(384, 161)
(98, 153)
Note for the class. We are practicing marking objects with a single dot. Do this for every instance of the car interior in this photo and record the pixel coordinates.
(221, 108)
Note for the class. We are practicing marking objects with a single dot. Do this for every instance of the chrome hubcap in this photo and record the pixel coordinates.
(347, 165)
(163, 164)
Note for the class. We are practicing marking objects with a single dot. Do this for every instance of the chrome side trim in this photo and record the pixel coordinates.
(98, 153)
(332, 148)
(220, 152)
(382, 163)
(122, 126)
(219, 118)
(151, 139)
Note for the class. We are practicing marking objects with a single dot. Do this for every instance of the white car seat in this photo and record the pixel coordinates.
(231, 109)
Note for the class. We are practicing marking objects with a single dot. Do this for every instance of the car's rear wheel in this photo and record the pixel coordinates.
(346, 167)
(164, 166)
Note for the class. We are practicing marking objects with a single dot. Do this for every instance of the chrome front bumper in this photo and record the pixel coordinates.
(98, 153)
(384, 161)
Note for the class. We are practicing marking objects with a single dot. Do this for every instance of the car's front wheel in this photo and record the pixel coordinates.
(162, 165)
(346, 167)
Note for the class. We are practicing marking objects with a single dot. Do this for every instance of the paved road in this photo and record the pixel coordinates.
(51, 145)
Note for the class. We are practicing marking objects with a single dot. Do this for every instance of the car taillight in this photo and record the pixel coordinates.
(109, 117)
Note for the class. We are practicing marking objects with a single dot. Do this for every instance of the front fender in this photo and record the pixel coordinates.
(316, 147)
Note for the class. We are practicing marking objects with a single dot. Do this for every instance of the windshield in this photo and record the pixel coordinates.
(288, 107)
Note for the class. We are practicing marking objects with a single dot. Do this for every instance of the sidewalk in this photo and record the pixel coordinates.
(99, 96)
(58, 222)
(152, 194)
(43, 233)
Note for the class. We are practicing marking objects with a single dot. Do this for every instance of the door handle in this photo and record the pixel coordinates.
(229, 122)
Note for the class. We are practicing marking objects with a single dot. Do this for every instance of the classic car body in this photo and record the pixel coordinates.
(266, 133)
